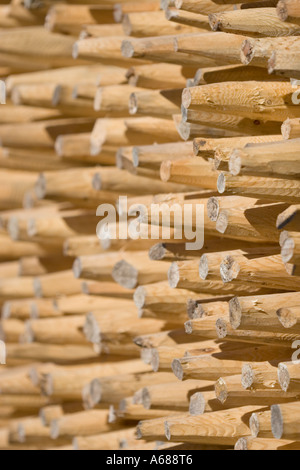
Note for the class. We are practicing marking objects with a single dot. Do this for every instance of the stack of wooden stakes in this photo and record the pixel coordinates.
(142, 344)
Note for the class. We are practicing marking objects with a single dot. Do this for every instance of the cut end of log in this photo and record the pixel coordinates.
(13, 228)
(241, 444)
(214, 22)
(54, 429)
(286, 129)
(221, 328)
(188, 326)
(175, 45)
(146, 398)
(283, 377)
(276, 421)
(91, 329)
(127, 49)
(95, 391)
(178, 3)
(157, 252)
(31, 228)
(191, 306)
(184, 115)
(86, 397)
(184, 130)
(139, 434)
(173, 275)
(40, 187)
(77, 268)
(186, 98)
(28, 335)
(235, 313)
(15, 96)
(133, 104)
(272, 62)
(56, 95)
(154, 362)
(75, 51)
(75, 444)
(58, 146)
(287, 250)
(119, 159)
(197, 404)
(229, 269)
(127, 25)
(222, 222)
(165, 171)
(286, 317)
(235, 164)
(6, 311)
(247, 52)
(125, 274)
(177, 369)
(221, 391)
(21, 433)
(167, 430)
(47, 386)
(254, 425)
(98, 100)
(34, 311)
(96, 182)
(221, 184)
(203, 267)
(169, 14)
(139, 297)
(282, 10)
(247, 376)
(213, 208)
(37, 288)
(283, 237)
(135, 157)
(112, 415)
(118, 13)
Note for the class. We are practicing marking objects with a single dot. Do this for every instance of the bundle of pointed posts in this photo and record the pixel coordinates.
(141, 344)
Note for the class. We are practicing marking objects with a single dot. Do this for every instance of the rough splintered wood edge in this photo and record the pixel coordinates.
(247, 52)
